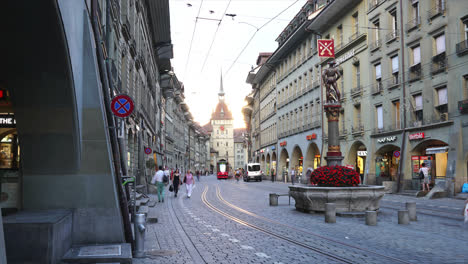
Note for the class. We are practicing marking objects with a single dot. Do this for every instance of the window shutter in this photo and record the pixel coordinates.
(416, 55)
(378, 72)
(395, 64)
(442, 93)
(379, 117)
(440, 44)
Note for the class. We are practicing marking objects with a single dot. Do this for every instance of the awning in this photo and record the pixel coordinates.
(437, 150)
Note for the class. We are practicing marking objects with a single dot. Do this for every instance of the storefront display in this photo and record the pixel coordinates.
(386, 165)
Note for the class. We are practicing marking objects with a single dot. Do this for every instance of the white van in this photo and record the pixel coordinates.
(253, 172)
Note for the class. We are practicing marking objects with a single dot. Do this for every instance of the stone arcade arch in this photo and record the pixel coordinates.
(262, 163)
(436, 161)
(268, 165)
(58, 105)
(386, 165)
(274, 164)
(356, 157)
(283, 166)
(297, 161)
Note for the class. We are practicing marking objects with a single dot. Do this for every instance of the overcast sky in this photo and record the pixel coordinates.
(200, 70)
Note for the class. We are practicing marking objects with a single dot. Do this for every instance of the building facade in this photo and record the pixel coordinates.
(240, 148)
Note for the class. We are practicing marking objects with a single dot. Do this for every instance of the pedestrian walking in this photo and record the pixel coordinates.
(272, 175)
(158, 181)
(176, 182)
(427, 179)
(293, 175)
(198, 175)
(188, 180)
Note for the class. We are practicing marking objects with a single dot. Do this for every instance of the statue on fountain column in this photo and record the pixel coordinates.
(329, 77)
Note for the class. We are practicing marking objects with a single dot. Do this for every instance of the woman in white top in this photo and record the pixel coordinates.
(427, 180)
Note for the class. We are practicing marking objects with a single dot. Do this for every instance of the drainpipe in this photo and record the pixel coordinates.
(403, 80)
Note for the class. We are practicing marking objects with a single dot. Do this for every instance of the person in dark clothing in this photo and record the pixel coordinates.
(176, 182)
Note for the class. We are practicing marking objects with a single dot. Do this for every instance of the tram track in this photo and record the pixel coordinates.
(390, 258)
(271, 233)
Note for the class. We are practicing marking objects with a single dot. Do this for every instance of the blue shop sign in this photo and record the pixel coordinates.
(273, 148)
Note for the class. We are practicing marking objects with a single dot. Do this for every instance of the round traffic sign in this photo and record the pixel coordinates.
(122, 105)
(396, 154)
(148, 150)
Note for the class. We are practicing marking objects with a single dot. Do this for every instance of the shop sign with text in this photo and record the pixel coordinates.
(310, 137)
(283, 144)
(7, 121)
(415, 136)
(387, 139)
(362, 153)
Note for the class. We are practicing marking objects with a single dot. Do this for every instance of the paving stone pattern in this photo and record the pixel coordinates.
(189, 232)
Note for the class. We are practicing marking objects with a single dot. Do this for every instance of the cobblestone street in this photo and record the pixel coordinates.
(232, 222)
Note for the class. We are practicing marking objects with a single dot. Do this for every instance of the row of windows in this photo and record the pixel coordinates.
(298, 86)
(269, 135)
(307, 114)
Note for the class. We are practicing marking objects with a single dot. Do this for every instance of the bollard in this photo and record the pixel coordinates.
(273, 199)
(371, 218)
(403, 217)
(411, 207)
(140, 223)
(330, 213)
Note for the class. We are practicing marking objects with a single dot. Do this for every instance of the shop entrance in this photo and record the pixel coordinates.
(312, 160)
(297, 162)
(434, 153)
(273, 165)
(283, 165)
(357, 157)
(387, 159)
(267, 168)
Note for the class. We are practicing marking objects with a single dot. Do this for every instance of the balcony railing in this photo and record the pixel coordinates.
(412, 24)
(375, 45)
(355, 36)
(126, 28)
(374, 3)
(415, 72)
(356, 91)
(391, 36)
(462, 47)
(377, 88)
(439, 63)
(357, 129)
(437, 10)
(393, 82)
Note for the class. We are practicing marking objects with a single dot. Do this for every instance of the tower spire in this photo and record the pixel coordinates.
(221, 89)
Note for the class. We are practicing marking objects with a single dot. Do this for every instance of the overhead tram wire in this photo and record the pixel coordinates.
(258, 29)
(193, 35)
(214, 37)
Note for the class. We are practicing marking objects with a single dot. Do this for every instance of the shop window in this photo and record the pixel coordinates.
(9, 152)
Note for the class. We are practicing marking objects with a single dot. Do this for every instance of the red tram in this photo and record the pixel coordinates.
(223, 169)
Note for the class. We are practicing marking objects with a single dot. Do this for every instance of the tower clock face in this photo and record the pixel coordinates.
(222, 128)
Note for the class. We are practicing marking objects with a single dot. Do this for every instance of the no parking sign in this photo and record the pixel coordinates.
(122, 105)
(396, 154)
(148, 150)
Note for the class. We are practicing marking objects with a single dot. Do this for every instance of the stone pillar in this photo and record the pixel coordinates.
(403, 217)
(411, 207)
(334, 156)
(371, 218)
(330, 213)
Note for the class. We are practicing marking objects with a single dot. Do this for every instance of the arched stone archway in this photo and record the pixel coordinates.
(273, 166)
(262, 163)
(386, 165)
(258, 159)
(268, 164)
(312, 158)
(297, 161)
(283, 165)
(357, 156)
(434, 153)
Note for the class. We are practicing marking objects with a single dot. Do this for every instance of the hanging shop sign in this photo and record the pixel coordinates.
(310, 137)
(362, 153)
(283, 144)
(387, 139)
(326, 48)
(273, 148)
(122, 105)
(415, 136)
(7, 121)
